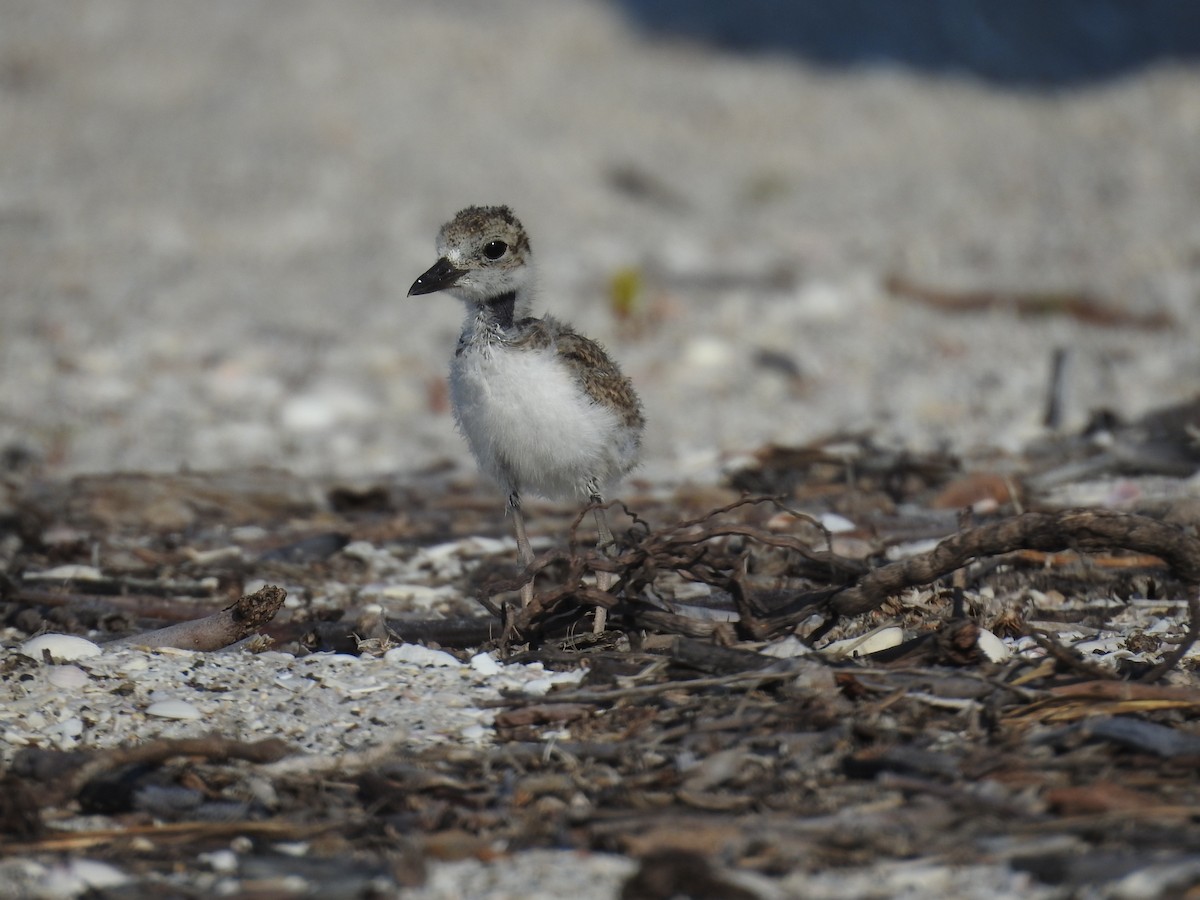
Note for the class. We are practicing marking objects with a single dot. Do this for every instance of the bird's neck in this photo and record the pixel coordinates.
(499, 314)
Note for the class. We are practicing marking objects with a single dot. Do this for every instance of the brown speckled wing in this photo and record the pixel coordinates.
(600, 377)
(596, 373)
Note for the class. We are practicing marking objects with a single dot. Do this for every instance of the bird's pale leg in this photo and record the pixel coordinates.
(524, 551)
(604, 580)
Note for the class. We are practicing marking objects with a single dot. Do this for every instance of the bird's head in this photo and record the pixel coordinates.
(483, 254)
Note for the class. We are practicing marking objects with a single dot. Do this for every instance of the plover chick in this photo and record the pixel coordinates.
(544, 409)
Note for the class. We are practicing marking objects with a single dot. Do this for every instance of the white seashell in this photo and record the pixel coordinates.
(67, 678)
(365, 551)
(835, 524)
(70, 728)
(488, 546)
(416, 655)
(418, 595)
(571, 676)
(474, 732)
(913, 548)
(823, 300)
(293, 848)
(865, 644)
(223, 862)
(538, 687)
(62, 573)
(79, 876)
(708, 352)
(992, 647)
(485, 665)
(1106, 644)
(174, 709)
(439, 552)
(61, 646)
(323, 408)
(787, 648)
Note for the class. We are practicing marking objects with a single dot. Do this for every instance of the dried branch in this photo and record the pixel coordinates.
(221, 629)
(1085, 530)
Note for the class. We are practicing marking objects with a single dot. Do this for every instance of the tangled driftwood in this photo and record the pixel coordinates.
(714, 550)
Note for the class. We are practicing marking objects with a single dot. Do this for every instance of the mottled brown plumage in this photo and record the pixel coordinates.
(588, 362)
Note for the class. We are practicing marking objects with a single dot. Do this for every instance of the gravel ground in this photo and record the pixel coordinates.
(322, 704)
(209, 219)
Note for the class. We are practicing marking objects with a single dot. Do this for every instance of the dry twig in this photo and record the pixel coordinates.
(1079, 305)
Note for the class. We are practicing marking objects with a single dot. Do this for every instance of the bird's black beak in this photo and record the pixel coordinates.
(440, 276)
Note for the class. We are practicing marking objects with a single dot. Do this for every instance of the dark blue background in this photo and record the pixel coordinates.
(1021, 43)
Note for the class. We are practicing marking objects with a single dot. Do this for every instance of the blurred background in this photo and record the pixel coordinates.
(210, 215)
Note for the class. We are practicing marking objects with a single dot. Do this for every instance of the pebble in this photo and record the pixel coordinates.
(61, 647)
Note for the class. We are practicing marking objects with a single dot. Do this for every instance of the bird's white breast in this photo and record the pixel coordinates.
(531, 426)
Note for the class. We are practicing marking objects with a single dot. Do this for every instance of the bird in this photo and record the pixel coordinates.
(544, 410)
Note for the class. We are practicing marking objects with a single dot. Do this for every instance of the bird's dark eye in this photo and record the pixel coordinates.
(495, 249)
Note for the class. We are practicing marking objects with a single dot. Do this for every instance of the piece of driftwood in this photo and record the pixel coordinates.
(67, 772)
(704, 657)
(230, 625)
